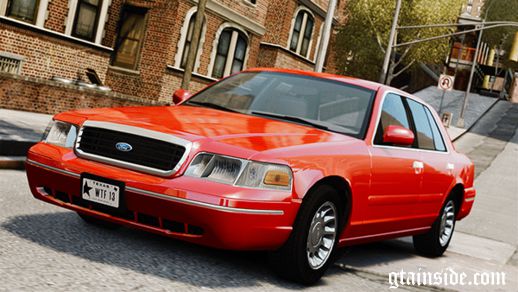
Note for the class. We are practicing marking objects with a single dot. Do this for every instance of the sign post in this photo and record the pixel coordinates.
(446, 84)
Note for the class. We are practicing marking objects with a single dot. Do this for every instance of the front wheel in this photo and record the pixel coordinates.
(309, 251)
(435, 242)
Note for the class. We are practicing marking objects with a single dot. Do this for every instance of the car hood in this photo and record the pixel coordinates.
(199, 124)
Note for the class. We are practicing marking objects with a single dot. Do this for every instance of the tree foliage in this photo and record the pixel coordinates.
(362, 41)
(501, 10)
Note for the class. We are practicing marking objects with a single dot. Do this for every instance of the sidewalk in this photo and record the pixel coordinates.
(19, 130)
(452, 103)
(22, 126)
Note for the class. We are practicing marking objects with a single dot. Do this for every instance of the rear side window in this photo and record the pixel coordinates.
(437, 137)
(423, 131)
(393, 113)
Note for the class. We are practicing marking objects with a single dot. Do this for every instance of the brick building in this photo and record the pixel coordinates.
(137, 48)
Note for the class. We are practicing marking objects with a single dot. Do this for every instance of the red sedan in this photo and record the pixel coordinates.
(296, 163)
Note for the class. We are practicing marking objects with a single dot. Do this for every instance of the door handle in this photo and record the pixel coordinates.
(418, 166)
(450, 167)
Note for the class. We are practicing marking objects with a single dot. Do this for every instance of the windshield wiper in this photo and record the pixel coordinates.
(211, 105)
(309, 122)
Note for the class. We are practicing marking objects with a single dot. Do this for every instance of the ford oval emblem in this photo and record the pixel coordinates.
(123, 146)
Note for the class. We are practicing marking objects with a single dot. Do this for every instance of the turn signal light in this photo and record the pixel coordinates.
(277, 178)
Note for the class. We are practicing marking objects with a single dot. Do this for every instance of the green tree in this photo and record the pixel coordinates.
(501, 38)
(362, 41)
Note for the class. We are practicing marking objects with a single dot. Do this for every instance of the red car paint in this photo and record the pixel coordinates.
(389, 198)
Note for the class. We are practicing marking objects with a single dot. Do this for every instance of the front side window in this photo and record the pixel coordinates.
(130, 38)
(302, 33)
(24, 10)
(86, 19)
(393, 112)
(318, 102)
(230, 53)
(423, 131)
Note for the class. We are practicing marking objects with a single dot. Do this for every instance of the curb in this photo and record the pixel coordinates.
(477, 120)
(12, 162)
(13, 148)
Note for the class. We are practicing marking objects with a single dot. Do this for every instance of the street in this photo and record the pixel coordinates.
(43, 247)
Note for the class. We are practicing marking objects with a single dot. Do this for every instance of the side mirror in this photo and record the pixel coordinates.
(398, 135)
(180, 96)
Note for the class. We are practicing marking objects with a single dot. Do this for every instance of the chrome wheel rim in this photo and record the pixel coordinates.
(447, 222)
(321, 235)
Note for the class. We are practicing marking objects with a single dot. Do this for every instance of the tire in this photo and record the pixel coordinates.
(297, 260)
(435, 242)
(98, 222)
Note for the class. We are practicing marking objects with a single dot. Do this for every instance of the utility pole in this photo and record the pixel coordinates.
(388, 50)
(460, 121)
(326, 34)
(459, 55)
(193, 48)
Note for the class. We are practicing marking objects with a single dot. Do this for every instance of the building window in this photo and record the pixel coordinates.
(24, 10)
(188, 40)
(130, 38)
(301, 33)
(230, 53)
(86, 19)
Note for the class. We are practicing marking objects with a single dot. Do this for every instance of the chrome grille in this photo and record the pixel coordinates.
(147, 154)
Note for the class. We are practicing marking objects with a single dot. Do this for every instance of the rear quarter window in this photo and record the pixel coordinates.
(423, 130)
(437, 137)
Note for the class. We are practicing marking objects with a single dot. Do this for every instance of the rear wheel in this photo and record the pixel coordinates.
(435, 242)
(309, 251)
(97, 222)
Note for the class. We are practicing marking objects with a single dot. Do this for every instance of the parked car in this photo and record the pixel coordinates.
(295, 163)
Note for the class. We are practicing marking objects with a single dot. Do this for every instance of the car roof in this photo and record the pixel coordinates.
(346, 79)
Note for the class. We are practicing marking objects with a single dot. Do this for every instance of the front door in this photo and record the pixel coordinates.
(396, 178)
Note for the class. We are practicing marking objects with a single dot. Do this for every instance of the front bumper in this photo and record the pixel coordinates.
(186, 208)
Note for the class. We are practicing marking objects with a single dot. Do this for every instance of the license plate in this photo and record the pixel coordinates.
(101, 190)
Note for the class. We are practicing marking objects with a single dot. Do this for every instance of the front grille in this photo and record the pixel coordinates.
(145, 151)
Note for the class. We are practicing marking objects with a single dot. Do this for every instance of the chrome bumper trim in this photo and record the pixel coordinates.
(174, 199)
(65, 172)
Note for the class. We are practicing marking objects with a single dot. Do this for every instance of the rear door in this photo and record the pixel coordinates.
(438, 171)
(396, 175)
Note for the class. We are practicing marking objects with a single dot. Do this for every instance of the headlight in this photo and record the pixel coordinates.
(60, 134)
(240, 172)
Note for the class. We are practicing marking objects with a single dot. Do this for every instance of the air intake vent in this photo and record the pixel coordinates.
(10, 63)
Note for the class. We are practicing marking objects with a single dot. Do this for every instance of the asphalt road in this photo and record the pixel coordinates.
(43, 247)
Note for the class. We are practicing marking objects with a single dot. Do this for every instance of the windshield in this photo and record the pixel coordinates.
(318, 102)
